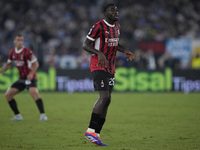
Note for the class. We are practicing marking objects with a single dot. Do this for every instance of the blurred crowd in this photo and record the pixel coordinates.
(56, 29)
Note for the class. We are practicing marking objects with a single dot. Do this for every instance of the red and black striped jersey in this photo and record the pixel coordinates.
(23, 60)
(106, 38)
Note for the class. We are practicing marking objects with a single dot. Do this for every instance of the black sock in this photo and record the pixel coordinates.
(40, 105)
(100, 125)
(13, 106)
(94, 121)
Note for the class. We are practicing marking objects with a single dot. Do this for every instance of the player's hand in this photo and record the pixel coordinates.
(30, 76)
(102, 61)
(130, 55)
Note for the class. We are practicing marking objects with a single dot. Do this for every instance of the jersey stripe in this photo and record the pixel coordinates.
(102, 45)
(105, 49)
(22, 67)
(102, 36)
(113, 58)
(25, 66)
(110, 48)
(111, 54)
(10, 55)
(19, 68)
(94, 31)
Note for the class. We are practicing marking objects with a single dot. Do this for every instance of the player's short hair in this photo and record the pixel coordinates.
(107, 6)
(18, 34)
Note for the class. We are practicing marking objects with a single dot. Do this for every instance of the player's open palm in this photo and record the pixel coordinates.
(130, 55)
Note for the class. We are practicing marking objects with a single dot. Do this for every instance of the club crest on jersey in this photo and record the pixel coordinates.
(102, 83)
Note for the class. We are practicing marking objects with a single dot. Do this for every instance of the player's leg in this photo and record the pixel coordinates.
(100, 104)
(98, 110)
(95, 118)
(35, 95)
(102, 118)
(103, 115)
(10, 93)
(101, 84)
(105, 109)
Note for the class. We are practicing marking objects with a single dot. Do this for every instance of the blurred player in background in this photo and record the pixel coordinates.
(102, 42)
(27, 64)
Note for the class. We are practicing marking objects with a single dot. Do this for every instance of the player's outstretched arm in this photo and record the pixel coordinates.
(7, 66)
(128, 53)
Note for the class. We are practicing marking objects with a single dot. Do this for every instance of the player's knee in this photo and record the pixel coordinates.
(35, 96)
(8, 96)
(34, 93)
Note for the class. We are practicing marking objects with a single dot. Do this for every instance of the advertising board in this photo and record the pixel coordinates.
(126, 80)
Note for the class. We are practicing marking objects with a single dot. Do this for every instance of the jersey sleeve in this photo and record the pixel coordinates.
(94, 32)
(31, 56)
(10, 58)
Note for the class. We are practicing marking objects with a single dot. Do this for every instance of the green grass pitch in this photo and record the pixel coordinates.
(135, 121)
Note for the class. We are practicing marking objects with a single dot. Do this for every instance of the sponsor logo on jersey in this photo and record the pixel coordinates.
(19, 63)
(112, 42)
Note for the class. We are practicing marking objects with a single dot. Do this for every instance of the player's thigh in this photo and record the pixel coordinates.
(33, 90)
(11, 92)
(100, 80)
(104, 94)
(34, 93)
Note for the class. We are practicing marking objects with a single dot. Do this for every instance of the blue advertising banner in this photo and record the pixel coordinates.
(180, 48)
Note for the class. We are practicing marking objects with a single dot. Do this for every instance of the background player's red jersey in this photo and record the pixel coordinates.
(106, 39)
(23, 59)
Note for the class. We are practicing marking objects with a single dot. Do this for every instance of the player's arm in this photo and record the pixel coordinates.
(7, 66)
(34, 68)
(128, 53)
(87, 46)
